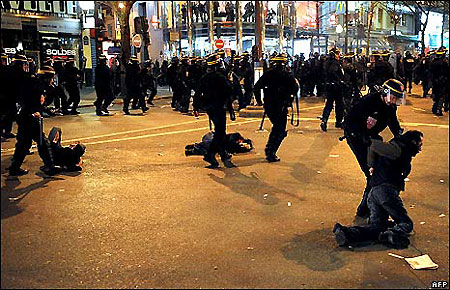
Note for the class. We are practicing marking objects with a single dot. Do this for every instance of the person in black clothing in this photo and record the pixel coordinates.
(61, 100)
(133, 84)
(390, 164)
(30, 127)
(351, 93)
(409, 63)
(172, 81)
(71, 78)
(246, 72)
(439, 77)
(182, 82)
(10, 83)
(366, 120)
(149, 81)
(216, 99)
(103, 87)
(334, 75)
(380, 71)
(46, 78)
(195, 72)
(279, 86)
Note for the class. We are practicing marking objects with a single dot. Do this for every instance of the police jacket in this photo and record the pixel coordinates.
(30, 97)
(216, 91)
(408, 65)
(391, 162)
(382, 71)
(372, 105)
(172, 74)
(103, 79)
(279, 86)
(439, 72)
(133, 79)
(333, 71)
(71, 75)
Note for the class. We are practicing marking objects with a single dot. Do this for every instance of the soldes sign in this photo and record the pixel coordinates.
(60, 52)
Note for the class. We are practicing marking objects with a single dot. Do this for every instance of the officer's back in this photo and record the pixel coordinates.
(216, 89)
(278, 85)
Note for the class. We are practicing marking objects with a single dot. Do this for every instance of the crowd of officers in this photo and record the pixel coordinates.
(218, 80)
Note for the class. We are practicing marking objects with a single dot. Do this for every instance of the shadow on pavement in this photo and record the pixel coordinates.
(250, 186)
(11, 196)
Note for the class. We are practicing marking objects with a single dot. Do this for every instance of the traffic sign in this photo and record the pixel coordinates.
(219, 43)
(137, 41)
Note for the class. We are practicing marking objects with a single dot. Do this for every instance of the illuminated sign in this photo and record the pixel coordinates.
(340, 7)
(60, 52)
(10, 50)
(66, 7)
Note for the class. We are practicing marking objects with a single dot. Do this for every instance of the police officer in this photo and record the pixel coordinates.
(246, 72)
(149, 81)
(409, 63)
(61, 99)
(30, 127)
(439, 77)
(351, 90)
(182, 85)
(366, 120)
(133, 84)
(172, 81)
(279, 86)
(7, 99)
(334, 75)
(103, 87)
(381, 70)
(195, 72)
(71, 78)
(216, 97)
(390, 164)
(46, 76)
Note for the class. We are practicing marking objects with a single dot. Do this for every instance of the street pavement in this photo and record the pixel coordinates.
(143, 215)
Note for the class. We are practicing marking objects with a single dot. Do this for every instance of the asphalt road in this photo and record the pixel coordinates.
(142, 215)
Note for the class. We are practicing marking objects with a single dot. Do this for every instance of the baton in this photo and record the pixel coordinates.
(262, 121)
(297, 103)
(41, 129)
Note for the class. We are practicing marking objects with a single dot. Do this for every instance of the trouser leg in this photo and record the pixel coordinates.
(218, 118)
(278, 118)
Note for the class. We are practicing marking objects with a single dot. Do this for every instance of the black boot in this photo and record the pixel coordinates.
(323, 126)
(341, 236)
(395, 240)
(211, 159)
(17, 171)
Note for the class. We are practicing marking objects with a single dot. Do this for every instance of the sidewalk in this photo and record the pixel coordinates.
(88, 96)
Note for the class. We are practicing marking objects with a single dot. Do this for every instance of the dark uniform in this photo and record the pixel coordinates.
(246, 72)
(61, 100)
(195, 72)
(133, 84)
(71, 78)
(379, 72)
(29, 128)
(103, 87)
(149, 81)
(172, 81)
(10, 84)
(391, 164)
(334, 75)
(216, 97)
(365, 121)
(182, 85)
(351, 93)
(409, 62)
(279, 86)
(439, 77)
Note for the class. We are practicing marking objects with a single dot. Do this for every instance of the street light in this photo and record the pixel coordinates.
(121, 5)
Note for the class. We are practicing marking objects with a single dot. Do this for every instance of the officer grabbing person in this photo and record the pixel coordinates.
(29, 123)
(103, 87)
(216, 98)
(279, 86)
(366, 120)
(389, 164)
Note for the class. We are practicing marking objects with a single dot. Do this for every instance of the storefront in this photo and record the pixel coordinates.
(40, 29)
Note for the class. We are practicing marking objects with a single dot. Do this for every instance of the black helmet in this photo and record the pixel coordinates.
(46, 71)
(278, 59)
(213, 60)
(335, 52)
(395, 87)
(102, 58)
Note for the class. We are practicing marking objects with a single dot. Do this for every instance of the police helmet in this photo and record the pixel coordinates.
(393, 87)
(213, 60)
(46, 70)
(134, 59)
(278, 59)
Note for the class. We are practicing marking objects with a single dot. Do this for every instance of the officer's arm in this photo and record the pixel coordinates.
(257, 89)
(394, 124)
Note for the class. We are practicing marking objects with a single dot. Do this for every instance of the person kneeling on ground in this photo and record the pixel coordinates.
(390, 164)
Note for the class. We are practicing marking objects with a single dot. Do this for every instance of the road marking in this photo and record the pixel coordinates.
(134, 131)
(165, 133)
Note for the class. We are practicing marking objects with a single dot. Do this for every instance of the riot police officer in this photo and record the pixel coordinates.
(30, 127)
(439, 77)
(334, 75)
(366, 120)
(409, 63)
(351, 93)
(103, 87)
(133, 84)
(149, 81)
(172, 81)
(72, 76)
(279, 85)
(216, 98)
(182, 85)
(246, 72)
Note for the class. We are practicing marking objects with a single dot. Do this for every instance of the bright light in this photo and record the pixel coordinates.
(86, 5)
(339, 28)
(121, 6)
